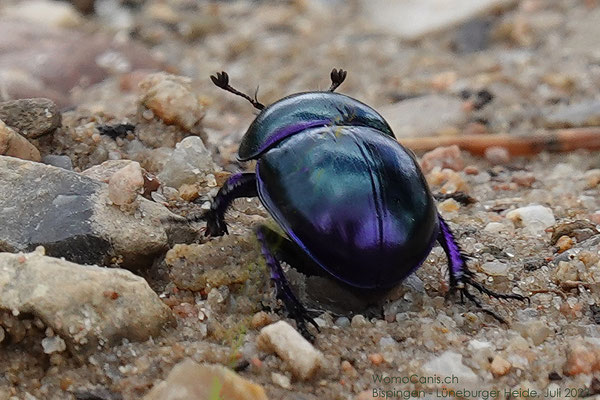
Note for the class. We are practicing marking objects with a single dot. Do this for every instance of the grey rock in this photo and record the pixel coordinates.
(425, 115)
(85, 305)
(586, 113)
(63, 162)
(32, 118)
(70, 215)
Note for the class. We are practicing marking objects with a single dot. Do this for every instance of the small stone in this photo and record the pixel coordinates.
(586, 113)
(582, 359)
(497, 155)
(500, 366)
(53, 344)
(534, 218)
(426, 115)
(14, 145)
(524, 179)
(2, 334)
(189, 163)
(536, 330)
(171, 99)
(126, 184)
(281, 380)
(63, 162)
(347, 368)
(494, 227)
(471, 170)
(190, 380)
(376, 358)
(31, 118)
(358, 321)
(342, 322)
(443, 157)
(592, 178)
(564, 243)
(301, 356)
(450, 363)
(495, 268)
(261, 319)
(188, 192)
(449, 205)
(566, 271)
(57, 14)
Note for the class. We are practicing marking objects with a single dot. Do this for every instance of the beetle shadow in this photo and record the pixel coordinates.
(320, 291)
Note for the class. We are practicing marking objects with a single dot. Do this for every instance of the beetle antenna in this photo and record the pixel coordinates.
(221, 79)
(337, 77)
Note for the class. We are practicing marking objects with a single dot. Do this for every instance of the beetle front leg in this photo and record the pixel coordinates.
(460, 275)
(237, 186)
(293, 306)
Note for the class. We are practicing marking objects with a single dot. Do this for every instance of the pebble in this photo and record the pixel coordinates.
(412, 20)
(564, 243)
(261, 319)
(301, 356)
(31, 118)
(53, 344)
(533, 218)
(358, 321)
(80, 314)
(126, 184)
(500, 366)
(450, 363)
(63, 162)
(497, 155)
(494, 227)
(592, 178)
(14, 145)
(443, 157)
(56, 14)
(376, 358)
(170, 97)
(189, 163)
(582, 358)
(449, 205)
(342, 322)
(536, 330)
(424, 116)
(585, 113)
(281, 380)
(190, 380)
(495, 268)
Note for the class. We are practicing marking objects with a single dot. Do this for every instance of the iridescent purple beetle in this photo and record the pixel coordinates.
(347, 194)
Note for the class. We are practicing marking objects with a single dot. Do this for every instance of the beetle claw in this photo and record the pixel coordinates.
(337, 77)
(215, 225)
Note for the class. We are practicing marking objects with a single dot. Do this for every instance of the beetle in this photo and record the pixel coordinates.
(347, 194)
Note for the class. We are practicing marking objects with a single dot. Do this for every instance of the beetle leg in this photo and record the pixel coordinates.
(293, 306)
(237, 185)
(461, 277)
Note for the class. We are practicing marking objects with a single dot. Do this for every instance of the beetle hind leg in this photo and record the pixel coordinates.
(293, 306)
(461, 277)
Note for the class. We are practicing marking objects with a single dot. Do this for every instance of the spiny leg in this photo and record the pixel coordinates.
(337, 77)
(461, 277)
(293, 306)
(237, 186)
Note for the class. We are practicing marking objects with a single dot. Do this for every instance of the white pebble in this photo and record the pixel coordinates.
(534, 218)
(301, 356)
(53, 344)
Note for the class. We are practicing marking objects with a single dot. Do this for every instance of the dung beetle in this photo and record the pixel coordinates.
(331, 173)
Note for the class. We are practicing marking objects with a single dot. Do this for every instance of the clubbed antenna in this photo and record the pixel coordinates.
(337, 77)
(221, 79)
